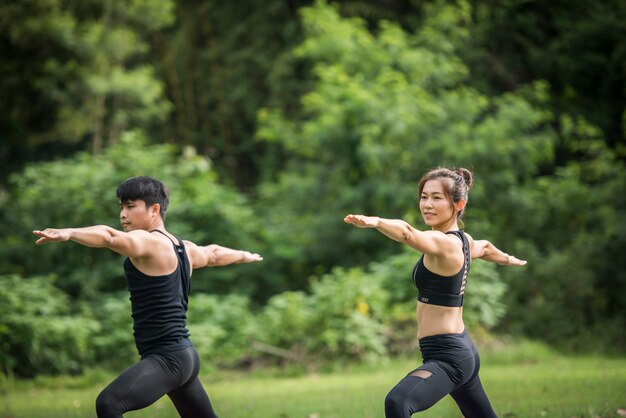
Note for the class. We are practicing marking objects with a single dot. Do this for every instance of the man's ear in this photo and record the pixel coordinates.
(155, 209)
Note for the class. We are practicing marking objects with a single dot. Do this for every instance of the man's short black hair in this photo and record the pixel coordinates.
(145, 188)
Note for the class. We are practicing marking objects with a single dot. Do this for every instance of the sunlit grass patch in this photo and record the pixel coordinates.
(524, 380)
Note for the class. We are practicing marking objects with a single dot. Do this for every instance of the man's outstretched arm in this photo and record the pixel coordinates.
(131, 244)
(215, 255)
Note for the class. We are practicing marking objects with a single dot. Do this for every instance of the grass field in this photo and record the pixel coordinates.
(522, 381)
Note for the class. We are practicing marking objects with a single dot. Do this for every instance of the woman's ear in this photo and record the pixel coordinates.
(460, 205)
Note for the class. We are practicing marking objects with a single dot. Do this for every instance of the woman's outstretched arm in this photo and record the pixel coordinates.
(485, 250)
(427, 242)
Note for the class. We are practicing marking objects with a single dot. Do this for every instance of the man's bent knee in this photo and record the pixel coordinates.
(107, 406)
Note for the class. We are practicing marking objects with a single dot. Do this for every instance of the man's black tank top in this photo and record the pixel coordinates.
(159, 305)
(443, 290)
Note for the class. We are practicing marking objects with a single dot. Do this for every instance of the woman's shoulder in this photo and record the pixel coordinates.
(469, 237)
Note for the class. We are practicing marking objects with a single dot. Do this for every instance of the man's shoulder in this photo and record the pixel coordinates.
(139, 232)
(151, 237)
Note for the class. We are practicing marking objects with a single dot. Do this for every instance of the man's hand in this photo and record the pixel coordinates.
(51, 235)
(249, 257)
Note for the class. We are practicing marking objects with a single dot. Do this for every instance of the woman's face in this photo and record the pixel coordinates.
(435, 206)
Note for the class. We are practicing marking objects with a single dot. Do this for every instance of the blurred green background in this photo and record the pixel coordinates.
(271, 120)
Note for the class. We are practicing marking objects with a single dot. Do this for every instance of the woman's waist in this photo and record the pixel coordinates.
(449, 347)
(435, 320)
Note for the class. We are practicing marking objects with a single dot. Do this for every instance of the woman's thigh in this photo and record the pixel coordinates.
(419, 390)
(471, 397)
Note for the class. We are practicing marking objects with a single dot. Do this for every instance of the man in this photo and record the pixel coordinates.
(158, 268)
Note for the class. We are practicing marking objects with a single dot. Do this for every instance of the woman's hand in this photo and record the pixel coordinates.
(485, 250)
(513, 261)
(362, 221)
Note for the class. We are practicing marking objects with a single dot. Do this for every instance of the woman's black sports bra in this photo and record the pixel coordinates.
(442, 290)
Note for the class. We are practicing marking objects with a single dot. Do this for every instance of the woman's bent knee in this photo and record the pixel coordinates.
(395, 404)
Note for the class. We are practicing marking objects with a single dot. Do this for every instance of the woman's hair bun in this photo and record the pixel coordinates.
(467, 175)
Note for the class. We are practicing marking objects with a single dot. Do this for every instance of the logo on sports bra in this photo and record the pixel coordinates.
(424, 299)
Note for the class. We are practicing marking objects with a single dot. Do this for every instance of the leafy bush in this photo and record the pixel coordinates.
(484, 298)
(38, 333)
(349, 314)
(113, 342)
(348, 317)
(221, 327)
(285, 322)
(341, 318)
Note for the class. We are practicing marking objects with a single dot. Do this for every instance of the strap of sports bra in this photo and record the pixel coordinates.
(467, 256)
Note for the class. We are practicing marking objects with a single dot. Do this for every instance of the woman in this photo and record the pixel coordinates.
(451, 361)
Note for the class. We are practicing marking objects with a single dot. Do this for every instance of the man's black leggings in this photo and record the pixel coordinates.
(451, 365)
(174, 374)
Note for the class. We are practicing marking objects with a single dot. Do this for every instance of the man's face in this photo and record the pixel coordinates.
(134, 215)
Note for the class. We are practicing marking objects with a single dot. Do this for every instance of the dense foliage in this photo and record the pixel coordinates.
(267, 135)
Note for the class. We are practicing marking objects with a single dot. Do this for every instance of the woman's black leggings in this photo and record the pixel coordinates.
(174, 374)
(451, 365)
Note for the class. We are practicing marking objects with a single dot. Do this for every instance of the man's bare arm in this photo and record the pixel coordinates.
(215, 255)
(131, 244)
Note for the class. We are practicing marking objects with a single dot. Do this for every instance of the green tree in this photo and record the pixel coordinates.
(220, 63)
(75, 75)
(384, 109)
(578, 47)
(571, 225)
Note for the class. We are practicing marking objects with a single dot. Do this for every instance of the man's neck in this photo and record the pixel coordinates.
(157, 225)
